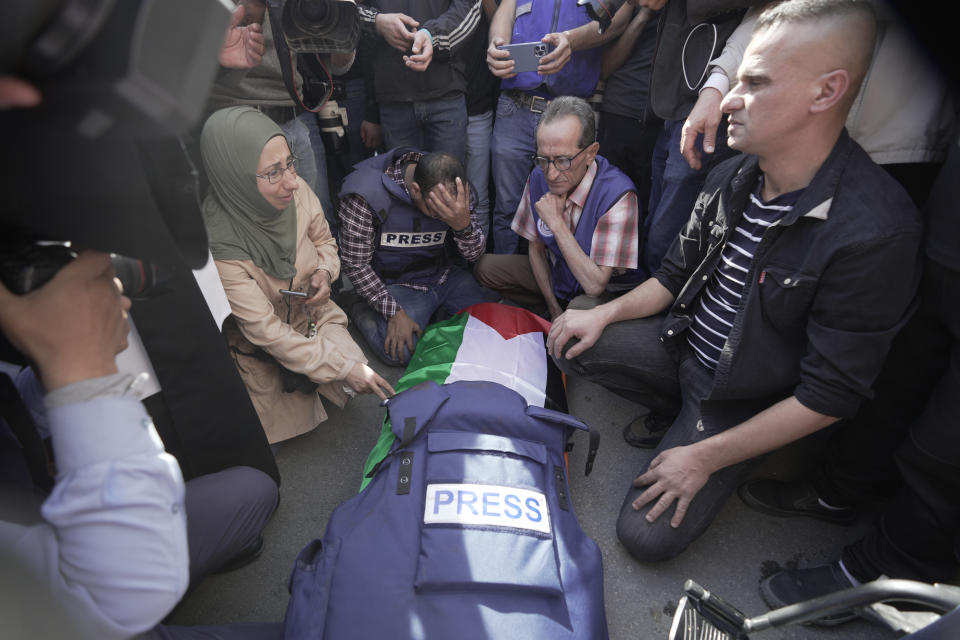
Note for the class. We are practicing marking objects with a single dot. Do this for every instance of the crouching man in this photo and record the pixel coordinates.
(775, 307)
(579, 214)
(401, 214)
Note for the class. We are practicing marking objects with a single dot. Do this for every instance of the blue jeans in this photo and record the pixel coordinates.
(674, 190)
(512, 149)
(431, 125)
(477, 164)
(458, 291)
(303, 132)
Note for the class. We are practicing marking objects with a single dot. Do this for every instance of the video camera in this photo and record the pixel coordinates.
(318, 26)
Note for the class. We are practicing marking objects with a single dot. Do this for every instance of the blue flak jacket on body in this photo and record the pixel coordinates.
(466, 531)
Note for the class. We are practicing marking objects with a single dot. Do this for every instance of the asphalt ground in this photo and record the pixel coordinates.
(321, 469)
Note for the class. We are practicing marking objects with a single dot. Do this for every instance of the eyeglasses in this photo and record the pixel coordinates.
(275, 175)
(561, 163)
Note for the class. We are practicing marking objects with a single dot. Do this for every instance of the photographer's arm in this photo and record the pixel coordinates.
(111, 548)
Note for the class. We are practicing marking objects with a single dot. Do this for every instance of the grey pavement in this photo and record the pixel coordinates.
(322, 469)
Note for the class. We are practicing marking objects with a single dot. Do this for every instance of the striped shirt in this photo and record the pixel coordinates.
(716, 308)
(614, 242)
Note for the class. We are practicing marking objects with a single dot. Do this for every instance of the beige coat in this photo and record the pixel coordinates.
(278, 324)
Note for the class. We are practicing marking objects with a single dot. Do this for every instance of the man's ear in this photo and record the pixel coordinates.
(415, 192)
(831, 87)
(592, 151)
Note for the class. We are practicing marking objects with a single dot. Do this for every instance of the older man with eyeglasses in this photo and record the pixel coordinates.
(579, 214)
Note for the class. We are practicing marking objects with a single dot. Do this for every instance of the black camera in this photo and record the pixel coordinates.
(27, 263)
(318, 26)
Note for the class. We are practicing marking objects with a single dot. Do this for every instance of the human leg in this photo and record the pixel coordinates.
(512, 150)
(443, 123)
(298, 137)
(512, 277)
(678, 190)
(629, 145)
(477, 164)
(399, 124)
(630, 360)
(321, 186)
(226, 511)
(419, 305)
(658, 540)
(460, 290)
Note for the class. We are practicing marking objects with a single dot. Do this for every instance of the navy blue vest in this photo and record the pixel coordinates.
(608, 186)
(410, 247)
(537, 18)
(466, 531)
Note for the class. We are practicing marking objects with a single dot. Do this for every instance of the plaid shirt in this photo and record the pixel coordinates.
(358, 236)
(616, 238)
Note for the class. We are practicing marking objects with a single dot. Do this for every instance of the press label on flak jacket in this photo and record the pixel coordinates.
(487, 505)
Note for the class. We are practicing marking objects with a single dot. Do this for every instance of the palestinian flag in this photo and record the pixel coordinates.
(485, 341)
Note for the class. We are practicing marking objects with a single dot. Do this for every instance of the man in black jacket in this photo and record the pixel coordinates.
(419, 82)
(782, 293)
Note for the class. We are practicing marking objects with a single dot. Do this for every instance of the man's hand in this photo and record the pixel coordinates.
(397, 29)
(550, 209)
(586, 326)
(242, 47)
(556, 59)
(452, 209)
(370, 134)
(704, 118)
(320, 284)
(675, 475)
(422, 49)
(72, 327)
(401, 330)
(499, 61)
(363, 379)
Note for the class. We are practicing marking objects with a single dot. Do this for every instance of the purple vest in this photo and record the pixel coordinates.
(608, 186)
(537, 18)
(409, 247)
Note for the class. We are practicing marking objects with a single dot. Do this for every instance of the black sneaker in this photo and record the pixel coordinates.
(646, 431)
(797, 498)
(798, 585)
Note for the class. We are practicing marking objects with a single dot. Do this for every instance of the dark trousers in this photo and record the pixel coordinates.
(226, 512)
(630, 360)
(628, 144)
(917, 406)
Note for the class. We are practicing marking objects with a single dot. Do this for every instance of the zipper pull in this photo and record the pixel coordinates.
(763, 276)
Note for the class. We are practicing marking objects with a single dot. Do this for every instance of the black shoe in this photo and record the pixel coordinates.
(797, 585)
(797, 498)
(653, 427)
(244, 557)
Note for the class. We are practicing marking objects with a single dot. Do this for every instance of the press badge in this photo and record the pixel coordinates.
(415, 239)
(486, 505)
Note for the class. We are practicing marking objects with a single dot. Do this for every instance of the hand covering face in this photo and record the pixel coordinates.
(240, 223)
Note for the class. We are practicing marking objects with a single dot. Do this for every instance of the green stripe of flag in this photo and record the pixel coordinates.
(432, 361)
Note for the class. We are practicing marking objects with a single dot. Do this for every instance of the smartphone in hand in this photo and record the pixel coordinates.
(526, 55)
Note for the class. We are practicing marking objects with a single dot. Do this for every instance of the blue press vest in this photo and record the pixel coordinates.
(409, 247)
(466, 531)
(608, 186)
(537, 18)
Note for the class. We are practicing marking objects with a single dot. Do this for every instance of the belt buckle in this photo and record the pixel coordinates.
(538, 104)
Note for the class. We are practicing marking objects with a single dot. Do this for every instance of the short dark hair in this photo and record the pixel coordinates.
(577, 107)
(811, 10)
(438, 168)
